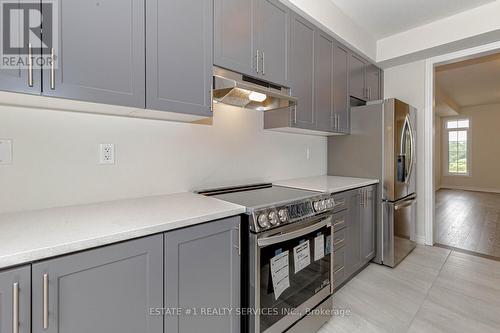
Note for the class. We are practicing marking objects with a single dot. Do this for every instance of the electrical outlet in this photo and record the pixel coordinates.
(308, 154)
(107, 153)
(5, 151)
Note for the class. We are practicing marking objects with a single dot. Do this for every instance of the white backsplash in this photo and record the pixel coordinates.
(56, 156)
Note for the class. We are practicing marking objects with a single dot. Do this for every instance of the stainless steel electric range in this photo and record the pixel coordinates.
(287, 267)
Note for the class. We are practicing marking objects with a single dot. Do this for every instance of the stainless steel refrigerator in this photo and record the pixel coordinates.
(382, 145)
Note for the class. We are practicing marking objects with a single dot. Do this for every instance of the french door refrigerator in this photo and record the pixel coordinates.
(382, 145)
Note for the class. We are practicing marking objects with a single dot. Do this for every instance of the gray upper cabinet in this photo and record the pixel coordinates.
(101, 54)
(109, 289)
(251, 37)
(324, 83)
(234, 39)
(21, 79)
(273, 20)
(203, 271)
(341, 88)
(179, 50)
(357, 77)
(373, 83)
(15, 300)
(302, 71)
(367, 225)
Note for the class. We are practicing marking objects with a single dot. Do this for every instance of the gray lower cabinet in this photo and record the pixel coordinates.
(302, 71)
(100, 54)
(234, 38)
(179, 48)
(324, 83)
(15, 300)
(367, 225)
(109, 289)
(354, 232)
(202, 270)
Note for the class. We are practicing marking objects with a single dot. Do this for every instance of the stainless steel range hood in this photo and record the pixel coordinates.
(247, 92)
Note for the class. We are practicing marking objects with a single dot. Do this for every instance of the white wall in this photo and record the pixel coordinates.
(407, 83)
(485, 151)
(437, 152)
(56, 156)
(471, 28)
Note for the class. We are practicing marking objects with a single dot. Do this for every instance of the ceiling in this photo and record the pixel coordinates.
(471, 82)
(383, 18)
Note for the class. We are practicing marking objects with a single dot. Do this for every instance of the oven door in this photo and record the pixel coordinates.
(307, 246)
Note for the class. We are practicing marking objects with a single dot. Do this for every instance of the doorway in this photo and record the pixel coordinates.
(466, 176)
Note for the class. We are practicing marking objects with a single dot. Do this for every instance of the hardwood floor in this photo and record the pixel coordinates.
(434, 290)
(468, 220)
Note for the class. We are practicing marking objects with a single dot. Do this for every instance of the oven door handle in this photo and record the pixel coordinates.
(266, 241)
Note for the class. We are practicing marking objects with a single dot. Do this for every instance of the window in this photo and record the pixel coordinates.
(457, 146)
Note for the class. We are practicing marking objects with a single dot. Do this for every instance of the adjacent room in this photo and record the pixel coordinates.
(467, 155)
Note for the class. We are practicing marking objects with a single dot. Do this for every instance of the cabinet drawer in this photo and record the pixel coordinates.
(339, 273)
(340, 220)
(341, 201)
(339, 238)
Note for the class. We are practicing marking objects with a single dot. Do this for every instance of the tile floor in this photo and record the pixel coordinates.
(432, 290)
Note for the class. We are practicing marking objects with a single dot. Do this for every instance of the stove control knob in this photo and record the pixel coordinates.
(273, 218)
(323, 204)
(316, 205)
(329, 203)
(283, 216)
(263, 221)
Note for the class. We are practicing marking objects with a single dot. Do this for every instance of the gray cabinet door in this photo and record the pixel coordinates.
(353, 249)
(202, 270)
(100, 56)
(17, 79)
(373, 82)
(272, 23)
(302, 41)
(357, 77)
(341, 88)
(367, 221)
(179, 49)
(235, 42)
(324, 82)
(15, 300)
(109, 289)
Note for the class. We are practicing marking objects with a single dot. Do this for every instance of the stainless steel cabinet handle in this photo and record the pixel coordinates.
(339, 222)
(45, 301)
(15, 308)
(239, 239)
(30, 65)
(258, 62)
(369, 93)
(263, 63)
(52, 69)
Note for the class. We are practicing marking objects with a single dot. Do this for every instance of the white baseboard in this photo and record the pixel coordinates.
(471, 188)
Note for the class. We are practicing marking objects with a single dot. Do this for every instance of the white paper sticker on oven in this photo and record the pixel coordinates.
(319, 247)
(280, 273)
(301, 256)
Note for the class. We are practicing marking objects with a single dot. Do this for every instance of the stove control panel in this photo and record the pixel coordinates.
(272, 217)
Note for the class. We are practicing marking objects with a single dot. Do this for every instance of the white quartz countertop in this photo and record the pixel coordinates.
(34, 235)
(327, 184)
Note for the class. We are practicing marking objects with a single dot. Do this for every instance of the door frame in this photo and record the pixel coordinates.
(428, 198)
